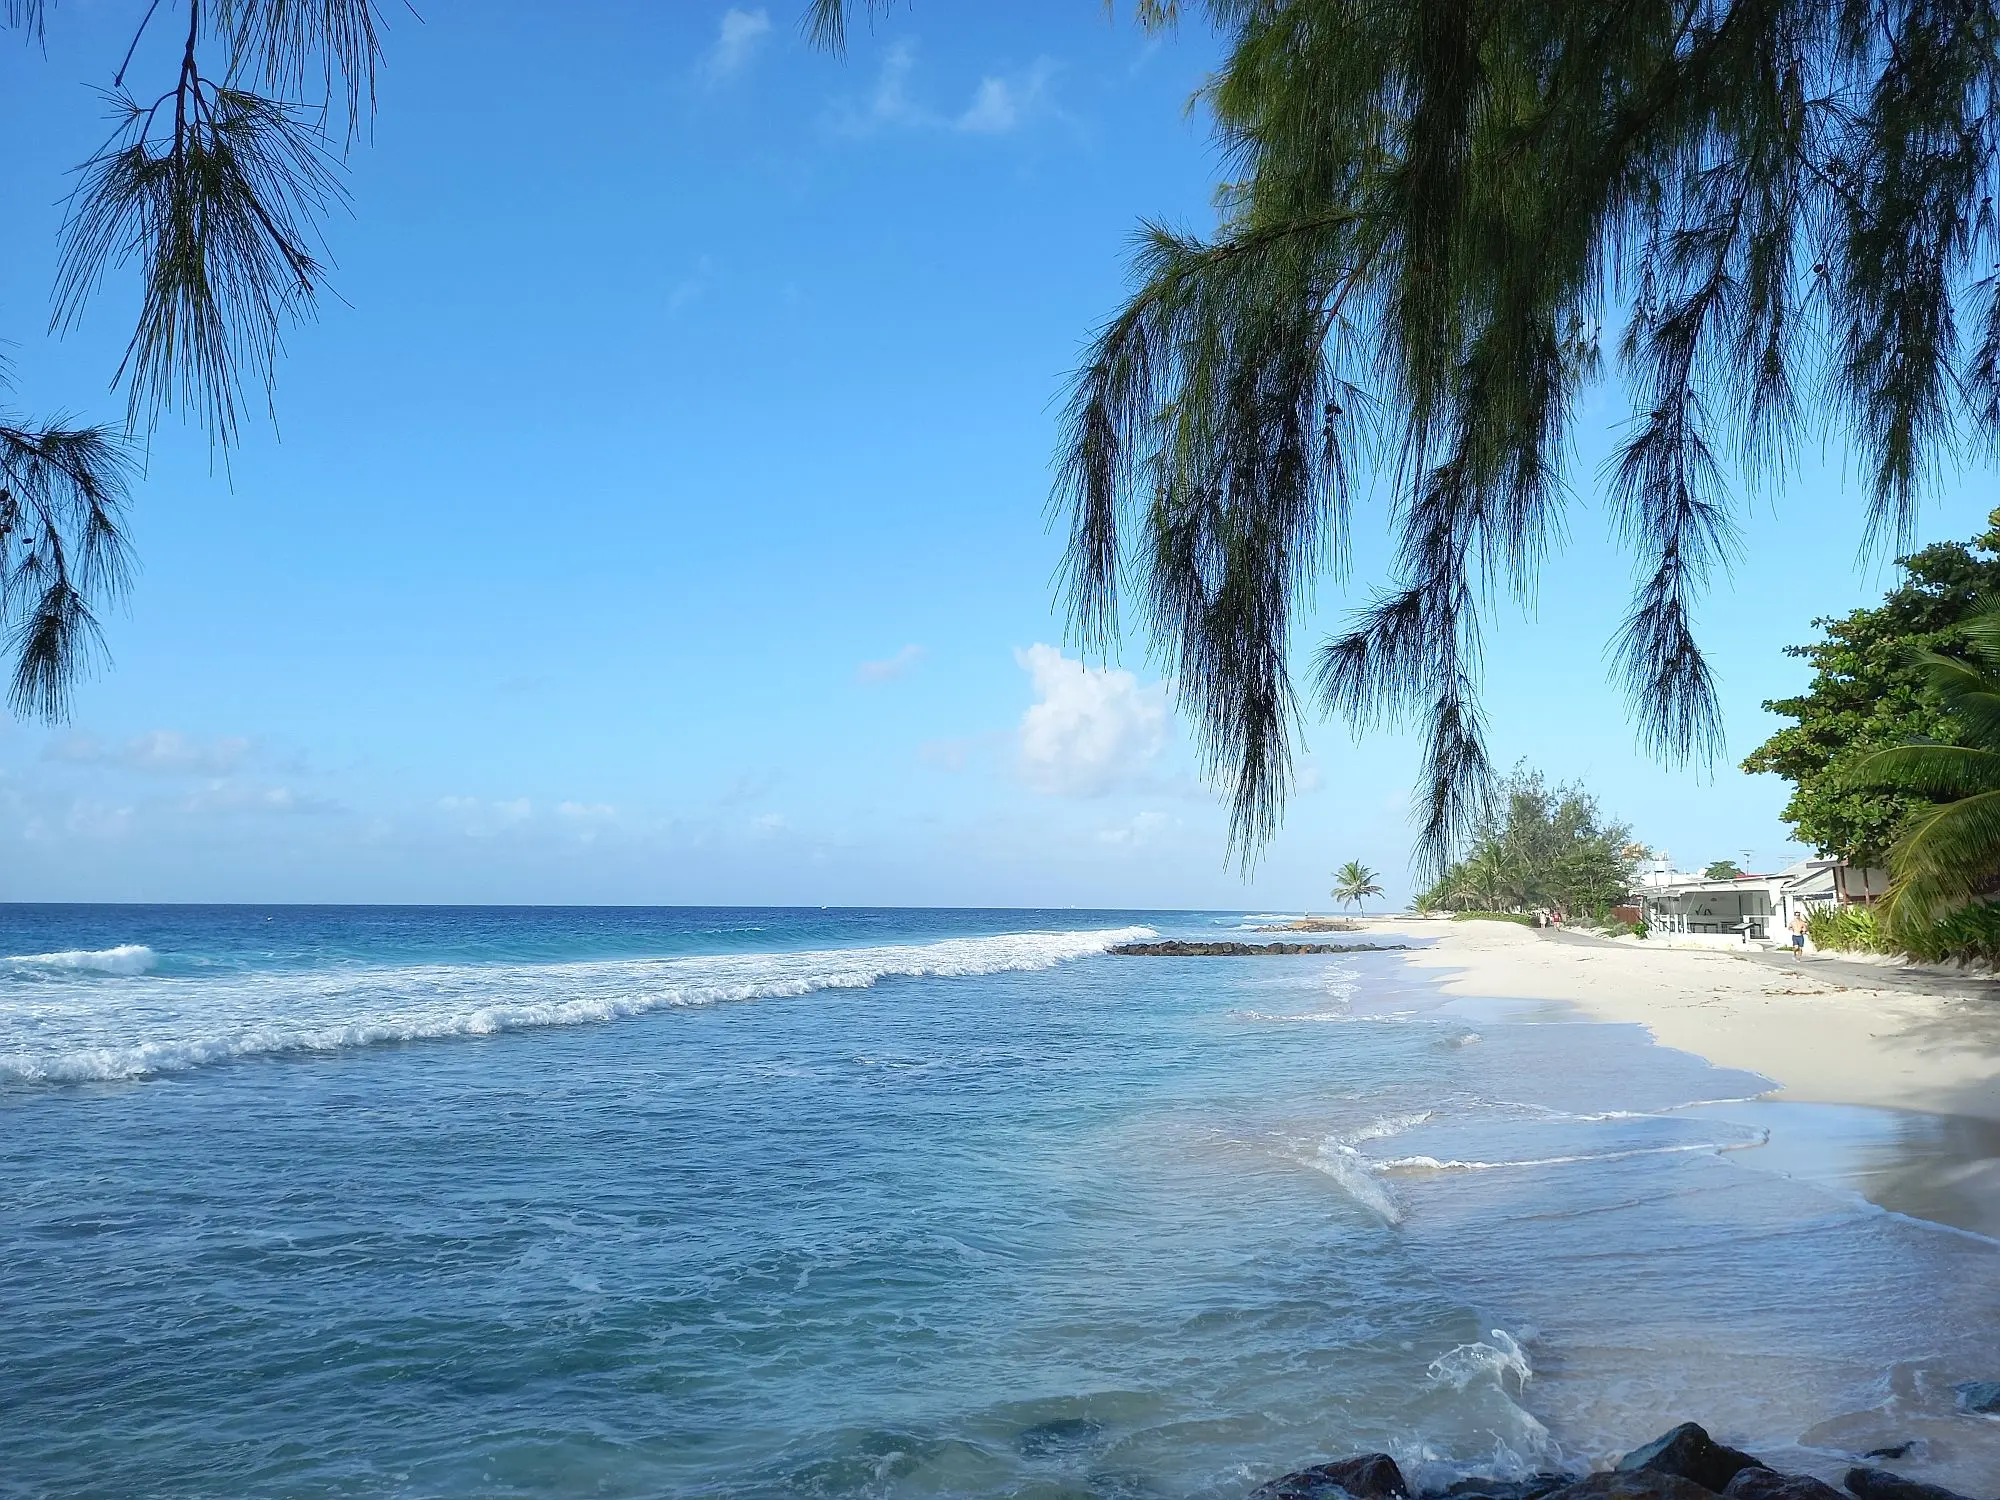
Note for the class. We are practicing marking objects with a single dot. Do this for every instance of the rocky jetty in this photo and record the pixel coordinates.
(1312, 924)
(1684, 1464)
(1174, 948)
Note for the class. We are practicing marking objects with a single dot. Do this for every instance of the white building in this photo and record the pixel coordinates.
(1751, 908)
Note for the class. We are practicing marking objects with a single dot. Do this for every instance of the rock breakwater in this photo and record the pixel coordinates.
(1683, 1464)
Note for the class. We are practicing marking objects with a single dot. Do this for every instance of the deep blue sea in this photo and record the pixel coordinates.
(679, 1202)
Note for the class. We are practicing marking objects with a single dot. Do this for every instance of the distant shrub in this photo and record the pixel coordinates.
(1847, 931)
(1637, 929)
(1494, 916)
(1970, 935)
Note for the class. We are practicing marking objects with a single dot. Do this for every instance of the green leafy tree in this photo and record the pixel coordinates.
(1433, 210)
(1722, 869)
(1948, 852)
(1868, 693)
(1354, 883)
(1540, 846)
(213, 183)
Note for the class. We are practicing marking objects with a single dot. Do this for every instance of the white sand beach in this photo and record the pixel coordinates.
(1823, 1030)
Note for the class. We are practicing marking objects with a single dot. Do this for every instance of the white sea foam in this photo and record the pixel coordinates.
(1414, 1164)
(1339, 1157)
(164, 1024)
(1502, 1357)
(126, 958)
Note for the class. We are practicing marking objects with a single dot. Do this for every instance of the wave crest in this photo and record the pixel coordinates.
(126, 958)
(167, 1025)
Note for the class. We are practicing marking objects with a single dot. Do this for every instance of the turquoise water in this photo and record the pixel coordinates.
(311, 1202)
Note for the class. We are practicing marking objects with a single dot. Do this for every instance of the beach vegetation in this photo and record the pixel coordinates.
(1869, 693)
(1540, 847)
(1947, 853)
(1525, 919)
(1354, 883)
(213, 182)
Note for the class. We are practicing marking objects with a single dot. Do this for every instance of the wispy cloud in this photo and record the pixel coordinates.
(890, 667)
(692, 287)
(1000, 103)
(485, 819)
(1092, 728)
(768, 825)
(224, 796)
(164, 752)
(739, 37)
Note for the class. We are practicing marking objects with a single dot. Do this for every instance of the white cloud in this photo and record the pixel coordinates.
(484, 819)
(737, 40)
(586, 812)
(890, 667)
(769, 825)
(1135, 834)
(692, 287)
(221, 796)
(164, 752)
(1000, 104)
(889, 104)
(1092, 728)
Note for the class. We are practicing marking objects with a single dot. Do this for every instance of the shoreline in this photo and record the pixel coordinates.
(1892, 1094)
(1929, 1044)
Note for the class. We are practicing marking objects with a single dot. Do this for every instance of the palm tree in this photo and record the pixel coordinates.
(1354, 883)
(1950, 853)
(1435, 211)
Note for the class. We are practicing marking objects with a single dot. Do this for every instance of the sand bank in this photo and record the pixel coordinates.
(1903, 1041)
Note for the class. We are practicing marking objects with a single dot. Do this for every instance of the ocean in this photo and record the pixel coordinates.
(677, 1202)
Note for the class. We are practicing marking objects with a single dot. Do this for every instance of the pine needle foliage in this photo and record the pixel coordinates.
(62, 553)
(1777, 214)
(214, 185)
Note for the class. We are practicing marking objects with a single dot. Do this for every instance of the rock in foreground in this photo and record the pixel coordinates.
(1175, 948)
(1768, 1484)
(1636, 1484)
(1370, 1476)
(1880, 1484)
(1689, 1453)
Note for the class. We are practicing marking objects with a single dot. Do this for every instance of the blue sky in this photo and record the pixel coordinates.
(655, 512)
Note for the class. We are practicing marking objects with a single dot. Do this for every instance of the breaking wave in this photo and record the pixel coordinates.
(126, 958)
(164, 1025)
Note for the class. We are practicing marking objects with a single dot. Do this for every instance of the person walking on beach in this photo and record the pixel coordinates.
(1799, 933)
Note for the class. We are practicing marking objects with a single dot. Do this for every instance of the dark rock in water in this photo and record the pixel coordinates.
(1767, 1484)
(1175, 948)
(1536, 1488)
(1061, 1435)
(1880, 1484)
(1643, 1484)
(1371, 1476)
(1690, 1453)
(1901, 1450)
(1978, 1397)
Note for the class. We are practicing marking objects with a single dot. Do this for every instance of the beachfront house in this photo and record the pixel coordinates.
(1749, 908)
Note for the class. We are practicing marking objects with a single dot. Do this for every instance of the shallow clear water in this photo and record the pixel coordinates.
(733, 1203)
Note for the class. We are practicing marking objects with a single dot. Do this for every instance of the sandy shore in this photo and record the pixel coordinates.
(1916, 1043)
